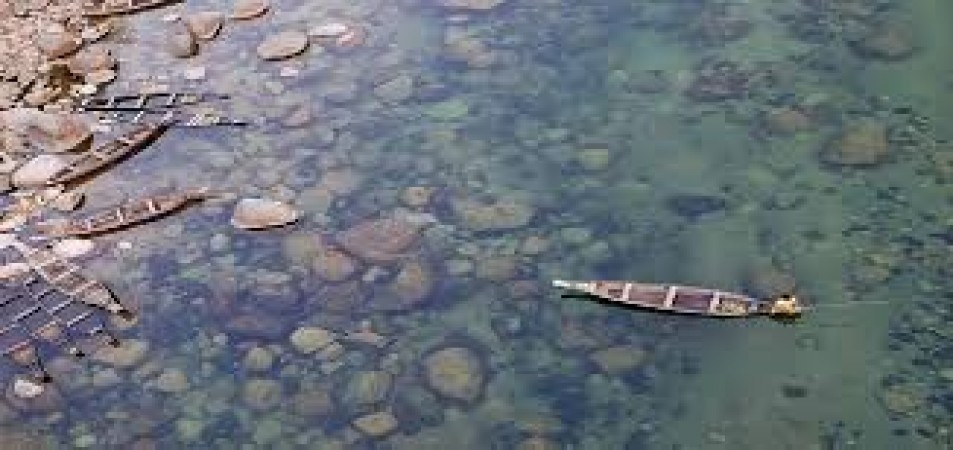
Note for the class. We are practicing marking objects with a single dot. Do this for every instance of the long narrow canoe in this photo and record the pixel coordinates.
(684, 299)
(125, 215)
(108, 8)
(94, 160)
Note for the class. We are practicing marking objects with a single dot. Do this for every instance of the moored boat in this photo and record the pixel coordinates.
(94, 160)
(106, 8)
(125, 215)
(685, 299)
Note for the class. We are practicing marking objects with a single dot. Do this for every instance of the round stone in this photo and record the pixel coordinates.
(311, 339)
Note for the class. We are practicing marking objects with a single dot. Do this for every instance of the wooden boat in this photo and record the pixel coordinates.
(67, 278)
(125, 215)
(106, 8)
(94, 160)
(685, 299)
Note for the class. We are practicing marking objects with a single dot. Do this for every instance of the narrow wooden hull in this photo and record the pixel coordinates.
(94, 160)
(113, 7)
(125, 215)
(669, 298)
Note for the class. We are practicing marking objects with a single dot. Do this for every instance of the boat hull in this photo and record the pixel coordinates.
(95, 160)
(668, 297)
(125, 215)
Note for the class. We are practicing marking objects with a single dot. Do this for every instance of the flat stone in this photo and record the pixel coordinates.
(257, 213)
(249, 9)
(282, 45)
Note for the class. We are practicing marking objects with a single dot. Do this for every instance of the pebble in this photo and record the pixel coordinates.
(258, 359)
(72, 247)
(262, 394)
(172, 381)
(195, 73)
(376, 425)
(289, 72)
(311, 339)
(27, 389)
(328, 30)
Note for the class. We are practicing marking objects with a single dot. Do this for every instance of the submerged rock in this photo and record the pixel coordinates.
(256, 214)
(412, 285)
(334, 265)
(860, 144)
(619, 359)
(172, 380)
(499, 216)
(311, 339)
(367, 388)
(312, 401)
(380, 240)
(130, 354)
(376, 425)
(693, 206)
(470, 5)
(256, 326)
(456, 373)
(261, 394)
(258, 359)
(594, 159)
(889, 42)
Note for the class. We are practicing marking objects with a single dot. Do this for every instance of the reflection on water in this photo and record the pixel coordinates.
(472, 150)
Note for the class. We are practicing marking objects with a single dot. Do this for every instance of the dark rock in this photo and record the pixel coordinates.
(859, 144)
(257, 326)
(794, 391)
(693, 206)
(889, 42)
